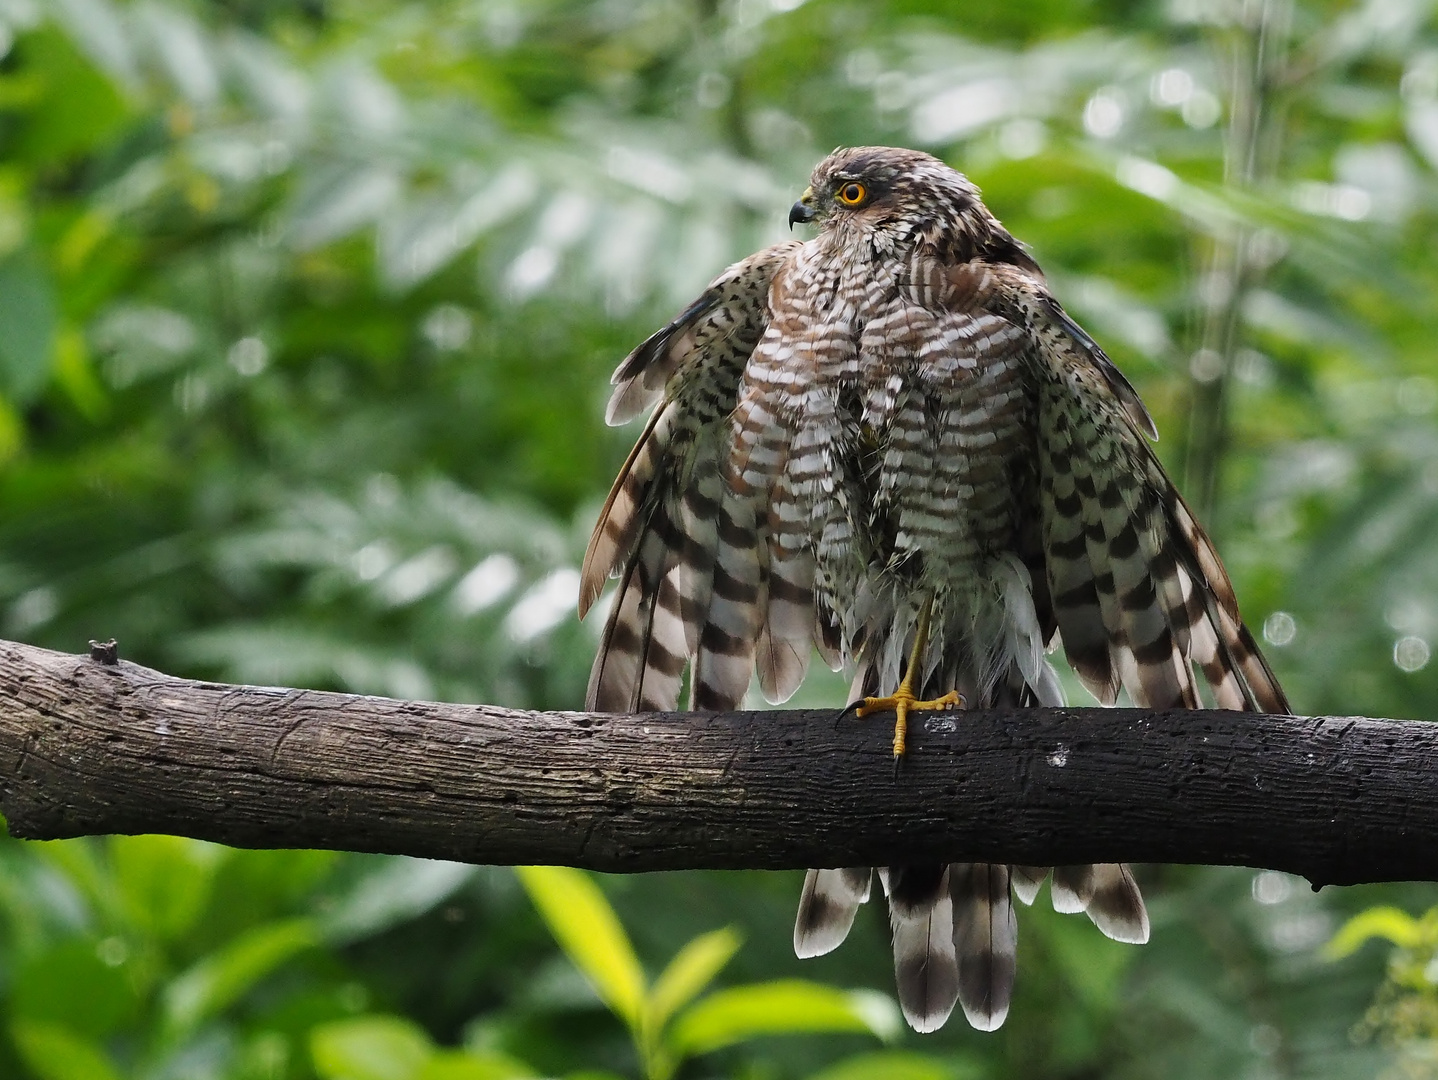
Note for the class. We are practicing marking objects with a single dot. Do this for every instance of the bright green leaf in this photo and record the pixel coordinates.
(370, 1048)
(224, 976)
(54, 1053)
(775, 1008)
(587, 929)
(1377, 922)
(898, 1065)
(692, 969)
(75, 374)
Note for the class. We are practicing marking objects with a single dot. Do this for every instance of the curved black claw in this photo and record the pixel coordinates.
(852, 707)
(898, 765)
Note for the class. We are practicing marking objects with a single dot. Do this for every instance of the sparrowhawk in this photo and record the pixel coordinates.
(891, 446)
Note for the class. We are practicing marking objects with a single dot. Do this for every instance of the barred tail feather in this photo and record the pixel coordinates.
(926, 967)
(1109, 895)
(1026, 881)
(1072, 888)
(827, 907)
(1116, 906)
(985, 939)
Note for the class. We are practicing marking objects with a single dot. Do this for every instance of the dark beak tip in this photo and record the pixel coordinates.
(800, 212)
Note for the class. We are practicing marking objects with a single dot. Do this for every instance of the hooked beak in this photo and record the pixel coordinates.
(803, 210)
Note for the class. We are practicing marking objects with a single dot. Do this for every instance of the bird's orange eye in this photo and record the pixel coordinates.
(851, 194)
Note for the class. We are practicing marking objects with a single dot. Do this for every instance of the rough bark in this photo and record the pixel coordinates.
(90, 745)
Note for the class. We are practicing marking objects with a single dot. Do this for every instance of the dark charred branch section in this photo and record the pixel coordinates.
(90, 747)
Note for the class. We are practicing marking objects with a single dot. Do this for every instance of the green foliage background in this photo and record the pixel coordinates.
(306, 313)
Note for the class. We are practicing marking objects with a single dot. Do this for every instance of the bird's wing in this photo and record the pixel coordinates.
(664, 530)
(1139, 595)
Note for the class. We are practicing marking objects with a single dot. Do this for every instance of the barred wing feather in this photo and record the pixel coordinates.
(680, 540)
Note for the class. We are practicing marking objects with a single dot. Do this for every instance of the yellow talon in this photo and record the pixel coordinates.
(902, 702)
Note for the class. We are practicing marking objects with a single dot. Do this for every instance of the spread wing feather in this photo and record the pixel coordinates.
(1140, 597)
(1145, 586)
(679, 538)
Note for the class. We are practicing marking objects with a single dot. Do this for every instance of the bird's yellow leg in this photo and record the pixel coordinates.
(902, 702)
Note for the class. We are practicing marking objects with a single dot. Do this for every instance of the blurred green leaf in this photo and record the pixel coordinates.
(69, 985)
(395, 891)
(588, 931)
(467, 1065)
(164, 882)
(1388, 923)
(52, 1052)
(370, 1048)
(1092, 965)
(76, 375)
(78, 861)
(223, 977)
(898, 1065)
(689, 972)
(733, 1015)
(76, 107)
(27, 327)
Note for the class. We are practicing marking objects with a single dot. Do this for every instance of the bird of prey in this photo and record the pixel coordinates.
(890, 446)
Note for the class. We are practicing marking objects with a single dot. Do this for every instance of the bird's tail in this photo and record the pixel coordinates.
(955, 933)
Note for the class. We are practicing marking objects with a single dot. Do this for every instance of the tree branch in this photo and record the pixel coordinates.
(89, 747)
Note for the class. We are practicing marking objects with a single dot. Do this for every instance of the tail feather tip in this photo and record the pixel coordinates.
(927, 1022)
(986, 1020)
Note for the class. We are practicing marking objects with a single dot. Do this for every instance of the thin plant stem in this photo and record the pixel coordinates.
(1255, 55)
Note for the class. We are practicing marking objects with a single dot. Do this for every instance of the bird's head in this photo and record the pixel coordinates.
(884, 190)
